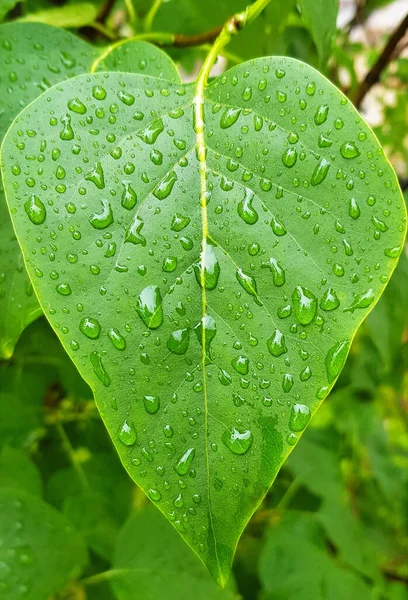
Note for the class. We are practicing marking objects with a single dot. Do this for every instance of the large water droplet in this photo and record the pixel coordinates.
(35, 210)
(184, 463)
(335, 359)
(179, 222)
(305, 305)
(229, 117)
(329, 300)
(96, 176)
(248, 283)
(237, 440)
(206, 331)
(349, 150)
(321, 114)
(354, 210)
(103, 219)
(178, 341)
(129, 197)
(245, 209)
(299, 417)
(289, 157)
(278, 274)
(151, 404)
(150, 134)
(276, 343)
(133, 233)
(320, 172)
(163, 189)
(361, 301)
(278, 227)
(207, 271)
(117, 339)
(149, 306)
(241, 364)
(127, 434)
(99, 369)
(90, 327)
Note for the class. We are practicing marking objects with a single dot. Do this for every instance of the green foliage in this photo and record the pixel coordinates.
(278, 219)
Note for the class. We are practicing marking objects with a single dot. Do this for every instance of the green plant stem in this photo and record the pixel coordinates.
(148, 22)
(131, 11)
(69, 450)
(289, 495)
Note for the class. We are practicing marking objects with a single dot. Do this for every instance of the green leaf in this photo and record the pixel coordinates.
(74, 16)
(205, 370)
(132, 56)
(296, 565)
(34, 57)
(150, 557)
(6, 6)
(320, 17)
(18, 472)
(40, 551)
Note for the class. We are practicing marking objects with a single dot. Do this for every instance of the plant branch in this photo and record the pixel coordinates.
(71, 454)
(148, 22)
(105, 11)
(386, 56)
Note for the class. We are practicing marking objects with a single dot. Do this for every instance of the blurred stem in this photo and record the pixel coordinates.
(69, 450)
(131, 11)
(148, 22)
(289, 494)
(103, 30)
(106, 576)
(390, 52)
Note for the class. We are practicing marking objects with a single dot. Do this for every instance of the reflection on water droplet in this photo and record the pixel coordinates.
(248, 283)
(354, 210)
(335, 359)
(117, 339)
(393, 252)
(241, 364)
(207, 271)
(150, 134)
(237, 440)
(289, 157)
(103, 219)
(165, 186)
(184, 463)
(90, 327)
(229, 117)
(206, 331)
(129, 197)
(305, 305)
(179, 222)
(96, 176)
(133, 232)
(149, 306)
(278, 227)
(64, 289)
(278, 274)
(349, 150)
(35, 210)
(127, 434)
(321, 114)
(299, 417)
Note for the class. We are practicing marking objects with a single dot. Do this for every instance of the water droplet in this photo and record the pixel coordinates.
(164, 188)
(248, 283)
(127, 434)
(229, 117)
(349, 150)
(321, 114)
(169, 264)
(184, 463)
(241, 364)
(320, 172)
(151, 404)
(99, 369)
(179, 222)
(299, 417)
(129, 197)
(278, 227)
(276, 343)
(133, 233)
(178, 341)
(67, 133)
(393, 252)
(150, 134)
(289, 157)
(378, 224)
(305, 305)
(103, 219)
(329, 300)
(361, 301)
(117, 339)
(35, 210)
(149, 306)
(287, 382)
(64, 289)
(335, 359)
(154, 495)
(278, 274)
(207, 271)
(90, 327)
(354, 210)
(245, 209)
(77, 106)
(206, 331)
(238, 441)
(96, 176)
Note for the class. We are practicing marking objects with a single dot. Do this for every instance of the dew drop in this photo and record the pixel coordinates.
(238, 441)
(35, 210)
(299, 417)
(349, 150)
(329, 300)
(150, 133)
(361, 301)
(117, 339)
(278, 274)
(335, 359)
(276, 343)
(103, 219)
(90, 327)
(320, 172)
(305, 305)
(151, 404)
(99, 369)
(178, 341)
(127, 434)
(149, 306)
(245, 209)
(229, 117)
(207, 271)
(184, 463)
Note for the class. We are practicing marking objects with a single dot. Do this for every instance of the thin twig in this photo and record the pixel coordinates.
(105, 11)
(386, 56)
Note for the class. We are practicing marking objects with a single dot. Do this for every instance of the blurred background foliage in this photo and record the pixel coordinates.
(334, 525)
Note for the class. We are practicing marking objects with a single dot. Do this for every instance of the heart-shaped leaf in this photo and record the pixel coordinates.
(207, 278)
(33, 57)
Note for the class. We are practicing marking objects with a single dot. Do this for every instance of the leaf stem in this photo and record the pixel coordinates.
(69, 450)
(131, 11)
(388, 53)
(148, 22)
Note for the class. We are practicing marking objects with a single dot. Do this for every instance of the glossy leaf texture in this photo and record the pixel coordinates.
(40, 552)
(208, 298)
(33, 57)
(133, 56)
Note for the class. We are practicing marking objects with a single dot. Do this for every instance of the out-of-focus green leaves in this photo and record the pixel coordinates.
(68, 16)
(39, 550)
(6, 6)
(18, 472)
(161, 566)
(320, 17)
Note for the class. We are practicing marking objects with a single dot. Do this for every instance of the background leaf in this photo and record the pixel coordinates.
(44, 555)
(320, 17)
